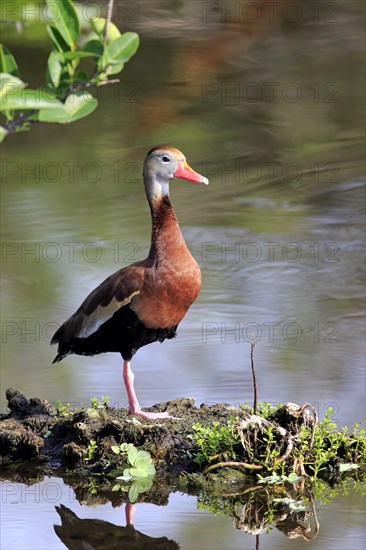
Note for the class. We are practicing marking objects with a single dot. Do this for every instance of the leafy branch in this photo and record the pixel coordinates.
(65, 97)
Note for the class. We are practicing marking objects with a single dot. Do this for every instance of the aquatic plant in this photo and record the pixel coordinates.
(289, 439)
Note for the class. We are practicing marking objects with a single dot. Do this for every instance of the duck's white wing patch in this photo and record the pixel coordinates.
(101, 314)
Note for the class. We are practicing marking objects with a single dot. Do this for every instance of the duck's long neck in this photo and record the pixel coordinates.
(166, 235)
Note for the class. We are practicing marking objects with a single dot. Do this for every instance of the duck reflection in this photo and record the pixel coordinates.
(96, 534)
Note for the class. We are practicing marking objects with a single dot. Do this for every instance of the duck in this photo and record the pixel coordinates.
(145, 301)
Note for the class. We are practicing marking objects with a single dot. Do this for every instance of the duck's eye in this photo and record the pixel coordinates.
(165, 159)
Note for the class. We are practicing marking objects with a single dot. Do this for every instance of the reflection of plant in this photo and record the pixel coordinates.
(279, 480)
(258, 510)
(64, 98)
(137, 477)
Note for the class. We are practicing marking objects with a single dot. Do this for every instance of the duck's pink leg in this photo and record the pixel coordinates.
(133, 404)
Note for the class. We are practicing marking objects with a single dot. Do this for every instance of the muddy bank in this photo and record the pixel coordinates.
(204, 439)
(36, 430)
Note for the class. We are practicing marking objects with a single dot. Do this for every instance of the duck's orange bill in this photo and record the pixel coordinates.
(185, 172)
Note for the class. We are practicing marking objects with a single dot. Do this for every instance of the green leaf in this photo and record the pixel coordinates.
(150, 470)
(133, 493)
(76, 106)
(141, 463)
(10, 84)
(81, 76)
(116, 487)
(123, 48)
(3, 133)
(145, 455)
(65, 19)
(29, 99)
(138, 472)
(294, 478)
(132, 455)
(58, 42)
(115, 449)
(125, 478)
(144, 484)
(93, 46)
(7, 62)
(98, 26)
(126, 475)
(54, 70)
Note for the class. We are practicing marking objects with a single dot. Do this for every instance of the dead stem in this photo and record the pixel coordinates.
(233, 465)
(255, 388)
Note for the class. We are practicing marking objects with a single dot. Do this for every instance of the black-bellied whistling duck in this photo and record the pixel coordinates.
(144, 302)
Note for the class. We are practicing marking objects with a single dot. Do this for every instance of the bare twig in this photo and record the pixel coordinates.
(233, 465)
(108, 20)
(312, 408)
(19, 121)
(286, 454)
(255, 388)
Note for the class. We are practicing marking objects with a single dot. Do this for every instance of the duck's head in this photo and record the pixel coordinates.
(164, 163)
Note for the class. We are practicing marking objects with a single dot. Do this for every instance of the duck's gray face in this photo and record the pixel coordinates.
(166, 163)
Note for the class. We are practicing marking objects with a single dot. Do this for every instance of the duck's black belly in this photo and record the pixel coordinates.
(123, 333)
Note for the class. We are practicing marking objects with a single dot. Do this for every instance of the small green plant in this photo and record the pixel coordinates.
(96, 404)
(65, 97)
(63, 409)
(215, 441)
(258, 442)
(330, 443)
(137, 476)
(92, 486)
(91, 450)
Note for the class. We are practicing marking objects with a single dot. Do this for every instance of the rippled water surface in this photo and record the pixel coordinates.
(271, 110)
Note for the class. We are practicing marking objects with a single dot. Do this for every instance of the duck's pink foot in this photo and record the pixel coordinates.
(149, 415)
(134, 407)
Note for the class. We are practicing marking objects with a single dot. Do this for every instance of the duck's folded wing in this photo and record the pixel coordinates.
(102, 303)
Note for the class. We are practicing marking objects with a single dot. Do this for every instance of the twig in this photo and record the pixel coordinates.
(312, 408)
(286, 454)
(108, 20)
(255, 388)
(19, 121)
(233, 465)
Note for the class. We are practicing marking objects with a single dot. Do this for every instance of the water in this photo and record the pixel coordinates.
(271, 111)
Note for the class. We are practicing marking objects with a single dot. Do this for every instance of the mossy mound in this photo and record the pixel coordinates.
(202, 439)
